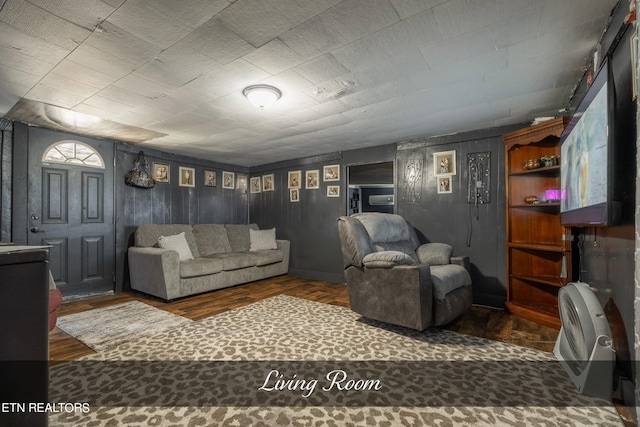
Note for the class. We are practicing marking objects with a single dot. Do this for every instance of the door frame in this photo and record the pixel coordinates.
(20, 197)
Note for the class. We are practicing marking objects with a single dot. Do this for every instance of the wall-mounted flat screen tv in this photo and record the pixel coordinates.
(586, 153)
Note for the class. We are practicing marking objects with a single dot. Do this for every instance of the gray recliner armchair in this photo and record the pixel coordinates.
(393, 278)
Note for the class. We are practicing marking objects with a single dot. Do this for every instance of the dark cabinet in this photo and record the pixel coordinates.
(24, 334)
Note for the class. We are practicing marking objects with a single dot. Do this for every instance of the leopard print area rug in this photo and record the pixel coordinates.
(286, 361)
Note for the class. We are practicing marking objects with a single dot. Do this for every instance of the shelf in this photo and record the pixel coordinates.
(545, 170)
(535, 247)
(541, 313)
(537, 256)
(545, 280)
(535, 205)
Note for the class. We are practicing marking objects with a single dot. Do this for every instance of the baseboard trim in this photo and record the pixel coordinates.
(316, 275)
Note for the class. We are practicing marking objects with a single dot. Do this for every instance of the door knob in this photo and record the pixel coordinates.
(37, 230)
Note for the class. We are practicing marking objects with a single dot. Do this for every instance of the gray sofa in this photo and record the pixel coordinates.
(393, 278)
(222, 257)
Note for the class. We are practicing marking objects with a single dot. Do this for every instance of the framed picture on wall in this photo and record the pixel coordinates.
(161, 172)
(444, 184)
(210, 179)
(294, 194)
(255, 184)
(331, 173)
(312, 180)
(444, 163)
(228, 180)
(268, 183)
(242, 181)
(187, 177)
(333, 191)
(294, 178)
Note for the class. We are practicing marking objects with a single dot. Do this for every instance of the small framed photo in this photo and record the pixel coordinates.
(444, 184)
(187, 177)
(267, 183)
(210, 179)
(160, 172)
(255, 184)
(294, 178)
(242, 181)
(331, 173)
(294, 194)
(312, 180)
(228, 180)
(333, 191)
(444, 163)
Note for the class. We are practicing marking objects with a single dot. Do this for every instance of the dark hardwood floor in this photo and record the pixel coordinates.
(479, 321)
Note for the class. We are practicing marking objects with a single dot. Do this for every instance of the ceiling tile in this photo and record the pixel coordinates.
(344, 23)
(407, 8)
(83, 75)
(84, 13)
(260, 21)
(143, 19)
(192, 13)
(115, 41)
(274, 57)
(217, 42)
(54, 95)
(41, 24)
(177, 65)
(321, 69)
(101, 61)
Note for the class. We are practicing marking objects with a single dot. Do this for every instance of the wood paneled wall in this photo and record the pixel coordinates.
(170, 203)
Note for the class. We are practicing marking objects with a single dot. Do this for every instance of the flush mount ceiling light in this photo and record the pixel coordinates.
(262, 95)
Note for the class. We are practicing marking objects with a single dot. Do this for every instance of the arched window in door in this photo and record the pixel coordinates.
(73, 152)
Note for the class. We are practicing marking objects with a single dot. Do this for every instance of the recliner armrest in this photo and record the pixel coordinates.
(463, 261)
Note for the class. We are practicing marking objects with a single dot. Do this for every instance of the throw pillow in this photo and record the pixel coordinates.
(176, 243)
(387, 259)
(435, 253)
(262, 239)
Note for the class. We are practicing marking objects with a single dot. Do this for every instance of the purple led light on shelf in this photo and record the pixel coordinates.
(554, 195)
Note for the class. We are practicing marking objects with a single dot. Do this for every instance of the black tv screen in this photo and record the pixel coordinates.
(585, 155)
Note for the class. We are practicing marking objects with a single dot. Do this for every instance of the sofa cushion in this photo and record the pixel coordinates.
(447, 278)
(261, 240)
(435, 253)
(147, 235)
(268, 257)
(387, 259)
(234, 260)
(211, 239)
(238, 235)
(200, 267)
(176, 243)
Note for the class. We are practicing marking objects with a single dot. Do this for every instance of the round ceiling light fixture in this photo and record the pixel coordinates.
(262, 95)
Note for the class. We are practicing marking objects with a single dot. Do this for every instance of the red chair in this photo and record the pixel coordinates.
(55, 301)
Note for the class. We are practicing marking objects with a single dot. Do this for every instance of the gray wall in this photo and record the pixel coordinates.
(311, 223)
(311, 226)
(6, 156)
(478, 232)
(607, 261)
(165, 203)
(169, 203)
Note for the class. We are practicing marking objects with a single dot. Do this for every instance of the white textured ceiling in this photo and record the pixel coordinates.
(169, 74)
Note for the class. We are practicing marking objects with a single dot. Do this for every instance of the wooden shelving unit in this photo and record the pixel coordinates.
(539, 249)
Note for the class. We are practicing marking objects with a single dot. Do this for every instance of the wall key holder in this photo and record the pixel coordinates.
(479, 170)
